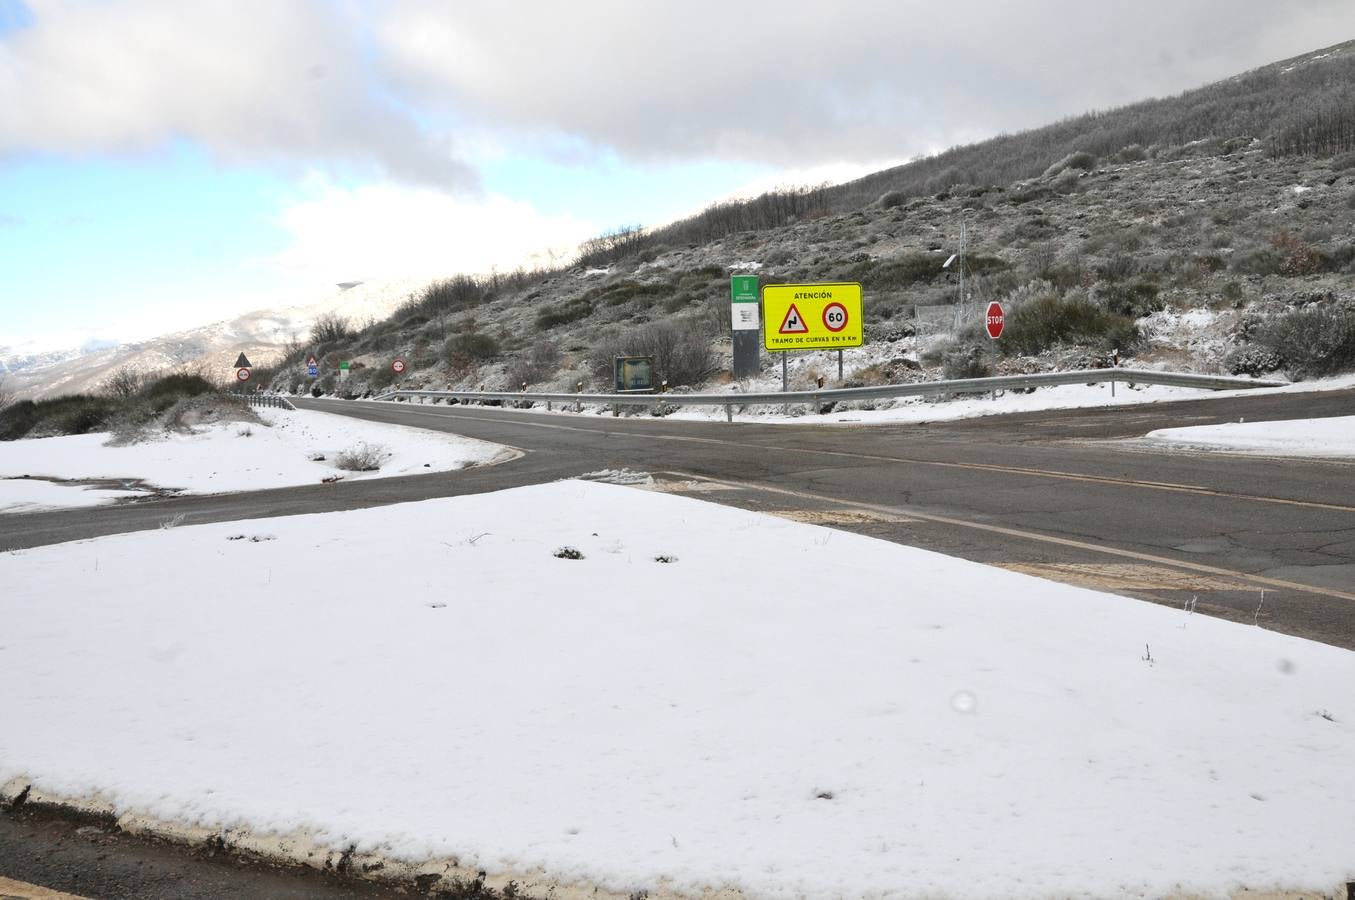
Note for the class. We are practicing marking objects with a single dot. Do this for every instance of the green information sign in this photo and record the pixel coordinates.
(344, 364)
(743, 288)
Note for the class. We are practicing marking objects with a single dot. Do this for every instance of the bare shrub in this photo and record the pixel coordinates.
(1131, 153)
(537, 364)
(681, 349)
(1051, 320)
(1253, 360)
(1079, 159)
(1299, 258)
(124, 384)
(472, 346)
(1133, 299)
(966, 362)
(445, 296)
(364, 457)
(614, 245)
(1311, 342)
(330, 328)
(6, 395)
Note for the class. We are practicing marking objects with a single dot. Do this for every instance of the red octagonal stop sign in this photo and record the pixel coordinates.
(995, 320)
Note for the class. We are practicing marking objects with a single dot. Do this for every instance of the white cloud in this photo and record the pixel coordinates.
(388, 230)
(273, 81)
(809, 83)
(404, 87)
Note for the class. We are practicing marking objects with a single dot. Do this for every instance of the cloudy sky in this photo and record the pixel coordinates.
(170, 162)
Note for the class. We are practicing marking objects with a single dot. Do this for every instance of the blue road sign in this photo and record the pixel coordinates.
(312, 371)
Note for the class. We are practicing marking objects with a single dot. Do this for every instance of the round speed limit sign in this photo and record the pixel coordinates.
(242, 374)
(835, 317)
(398, 366)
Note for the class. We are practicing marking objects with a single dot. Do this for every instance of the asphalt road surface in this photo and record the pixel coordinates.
(1062, 494)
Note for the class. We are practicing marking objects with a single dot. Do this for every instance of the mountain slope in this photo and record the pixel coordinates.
(262, 335)
(1236, 195)
(1179, 252)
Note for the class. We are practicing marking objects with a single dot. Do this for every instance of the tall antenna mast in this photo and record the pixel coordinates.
(960, 303)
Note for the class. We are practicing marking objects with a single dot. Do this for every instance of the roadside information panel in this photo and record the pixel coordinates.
(812, 316)
(743, 302)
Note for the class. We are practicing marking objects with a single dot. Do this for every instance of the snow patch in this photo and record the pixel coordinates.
(427, 680)
(1330, 437)
(300, 447)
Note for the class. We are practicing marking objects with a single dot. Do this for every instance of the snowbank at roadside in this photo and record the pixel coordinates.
(295, 447)
(1330, 437)
(918, 409)
(697, 697)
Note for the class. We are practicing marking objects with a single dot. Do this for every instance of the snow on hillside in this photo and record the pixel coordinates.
(716, 699)
(295, 447)
(260, 334)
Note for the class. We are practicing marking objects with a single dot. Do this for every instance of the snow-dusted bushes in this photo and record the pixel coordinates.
(1312, 341)
(1079, 159)
(362, 458)
(1050, 320)
(154, 404)
(681, 349)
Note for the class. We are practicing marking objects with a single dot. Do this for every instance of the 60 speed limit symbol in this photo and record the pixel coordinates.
(835, 317)
(398, 366)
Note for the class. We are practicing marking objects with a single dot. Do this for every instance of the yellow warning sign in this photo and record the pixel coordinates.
(811, 316)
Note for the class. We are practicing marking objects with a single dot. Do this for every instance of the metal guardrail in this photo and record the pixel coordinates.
(275, 401)
(879, 392)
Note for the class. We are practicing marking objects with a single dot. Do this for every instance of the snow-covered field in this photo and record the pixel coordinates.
(708, 698)
(1330, 437)
(296, 447)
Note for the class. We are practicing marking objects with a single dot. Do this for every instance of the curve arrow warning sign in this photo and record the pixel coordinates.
(793, 323)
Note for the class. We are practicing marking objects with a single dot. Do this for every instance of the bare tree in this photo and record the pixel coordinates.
(6, 395)
(124, 384)
(329, 328)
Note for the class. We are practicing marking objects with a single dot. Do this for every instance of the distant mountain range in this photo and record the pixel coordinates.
(261, 335)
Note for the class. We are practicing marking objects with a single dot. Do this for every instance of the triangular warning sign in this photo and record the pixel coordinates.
(793, 323)
(312, 361)
(243, 363)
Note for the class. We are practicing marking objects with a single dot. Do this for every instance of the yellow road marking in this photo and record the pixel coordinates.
(20, 890)
(1250, 580)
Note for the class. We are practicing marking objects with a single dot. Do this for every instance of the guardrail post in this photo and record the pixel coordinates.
(729, 412)
(578, 389)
